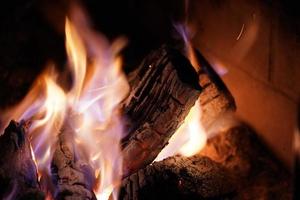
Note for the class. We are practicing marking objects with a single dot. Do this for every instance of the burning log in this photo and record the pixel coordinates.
(163, 90)
(74, 179)
(18, 173)
(179, 177)
(215, 99)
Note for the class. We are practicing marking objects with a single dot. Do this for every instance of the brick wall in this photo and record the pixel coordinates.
(257, 42)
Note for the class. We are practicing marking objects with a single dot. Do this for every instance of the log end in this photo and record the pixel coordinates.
(18, 174)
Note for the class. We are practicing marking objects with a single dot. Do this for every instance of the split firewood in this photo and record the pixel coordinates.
(215, 99)
(179, 177)
(73, 178)
(163, 90)
(18, 173)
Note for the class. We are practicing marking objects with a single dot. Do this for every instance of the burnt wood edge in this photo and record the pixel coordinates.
(208, 69)
(163, 89)
(18, 173)
(72, 177)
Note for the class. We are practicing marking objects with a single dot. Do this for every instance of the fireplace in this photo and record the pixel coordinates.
(148, 100)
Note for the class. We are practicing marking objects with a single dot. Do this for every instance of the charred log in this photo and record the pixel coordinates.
(179, 178)
(163, 90)
(18, 173)
(215, 99)
(73, 178)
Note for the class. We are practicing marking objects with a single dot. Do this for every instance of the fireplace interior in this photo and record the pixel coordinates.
(128, 99)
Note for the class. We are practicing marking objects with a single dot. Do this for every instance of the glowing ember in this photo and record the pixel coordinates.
(89, 108)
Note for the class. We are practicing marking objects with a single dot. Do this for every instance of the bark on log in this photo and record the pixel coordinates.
(163, 89)
(73, 178)
(18, 174)
(179, 178)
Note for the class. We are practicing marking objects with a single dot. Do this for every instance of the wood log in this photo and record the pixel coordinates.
(18, 173)
(215, 99)
(236, 157)
(73, 178)
(163, 90)
(179, 178)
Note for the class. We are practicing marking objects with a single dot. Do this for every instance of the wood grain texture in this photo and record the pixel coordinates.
(163, 90)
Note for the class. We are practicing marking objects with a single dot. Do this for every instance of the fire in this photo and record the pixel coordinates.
(90, 108)
(189, 139)
(189, 50)
(191, 136)
(197, 135)
(99, 87)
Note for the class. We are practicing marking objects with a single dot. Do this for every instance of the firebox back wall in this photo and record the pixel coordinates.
(258, 43)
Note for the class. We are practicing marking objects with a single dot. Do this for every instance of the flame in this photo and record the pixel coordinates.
(197, 135)
(99, 87)
(189, 139)
(77, 57)
(47, 120)
(190, 51)
(191, 136)
(39, 175)
(43, 107)
(89, 109)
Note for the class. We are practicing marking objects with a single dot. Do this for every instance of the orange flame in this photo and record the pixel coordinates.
(191, 136)
(189, 139)
(95, 99)
(44, 107)
(189, 50)
(92, 105)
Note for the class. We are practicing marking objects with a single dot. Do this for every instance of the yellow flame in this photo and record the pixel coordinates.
(197, 135)
(191, 136)
(99, 130)
(35, 162)
(92, 105)
(77, 56)
(189, 139)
